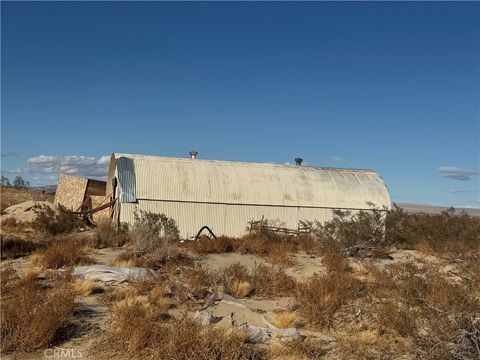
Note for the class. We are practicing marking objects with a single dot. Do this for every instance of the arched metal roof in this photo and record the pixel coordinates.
(143, 177)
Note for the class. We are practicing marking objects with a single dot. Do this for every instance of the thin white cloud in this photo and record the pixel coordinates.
(456, 173)
(74, 165)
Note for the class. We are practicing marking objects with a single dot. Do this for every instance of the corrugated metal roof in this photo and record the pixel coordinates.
(226, 182)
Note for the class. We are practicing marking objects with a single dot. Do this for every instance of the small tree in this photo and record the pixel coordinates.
(20, 183)
(5, 182)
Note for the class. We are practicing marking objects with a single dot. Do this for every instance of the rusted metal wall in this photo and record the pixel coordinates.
(226, 195)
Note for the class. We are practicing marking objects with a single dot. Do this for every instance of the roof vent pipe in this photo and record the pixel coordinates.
(193, 154)
(298, 161)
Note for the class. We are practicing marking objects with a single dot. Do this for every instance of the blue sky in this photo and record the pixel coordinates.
(389, 86)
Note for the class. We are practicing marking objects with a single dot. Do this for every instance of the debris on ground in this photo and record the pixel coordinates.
(118, 274)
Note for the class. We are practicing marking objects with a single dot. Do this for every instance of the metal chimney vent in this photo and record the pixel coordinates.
(193, 154)
(298, 161)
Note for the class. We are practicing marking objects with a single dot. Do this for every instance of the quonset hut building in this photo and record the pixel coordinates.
(226, 195)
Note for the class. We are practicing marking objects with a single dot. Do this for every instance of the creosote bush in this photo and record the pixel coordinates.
(153, 237)
(353, 232)
(445, 232)
(50, 222)
(32, 316)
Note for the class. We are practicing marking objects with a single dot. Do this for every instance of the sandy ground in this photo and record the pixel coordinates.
(91, 318)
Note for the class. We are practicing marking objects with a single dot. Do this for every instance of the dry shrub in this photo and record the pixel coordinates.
(265, 281)
(52, 222)
(9, 278)
(280, 253)
(355, 233)
(239, 288)
(142, 327)
(13, 247)
(141, 334)
(154, 236)
(235, 280)
(285, 319)
(272, 282)
(205, 245)
(335, 262)
(397, 318)
(147, 292)
(61, 253)
(319, 298)
(126, 258)
(264, 242)
(33, 316)
(86, 287)
(297, 350)
(448, 231)
(370, 344)
(420, 298)
(195, 282)
(108, 235)
(256, 243)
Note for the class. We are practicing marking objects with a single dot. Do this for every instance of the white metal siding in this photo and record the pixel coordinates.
(226, 195)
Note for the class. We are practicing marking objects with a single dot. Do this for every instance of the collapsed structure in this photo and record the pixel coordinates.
(79, 194)
(226, 196)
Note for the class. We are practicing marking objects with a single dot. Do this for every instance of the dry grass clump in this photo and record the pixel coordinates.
(235, 280)
(143, 328)
(127, 258)
(371, 344)
(285, 319)
(265, 281)
(13, 247)
(130, 258)
(205, 245)
(272, 282)
(154, 241)
(140, 334)
(396, 317)
(147, 292)
(319, 298)
(61, 252)
(336, 262)
(297, 350)
(86, 287)
(32, 315)
(62, 221)
(108, 235)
